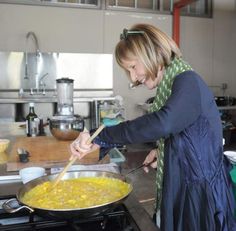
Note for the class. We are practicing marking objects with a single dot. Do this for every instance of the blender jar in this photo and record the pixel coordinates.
(65, 96)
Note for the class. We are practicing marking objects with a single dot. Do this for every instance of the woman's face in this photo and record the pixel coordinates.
(136, 70)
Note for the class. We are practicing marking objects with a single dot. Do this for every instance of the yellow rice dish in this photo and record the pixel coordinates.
(77, 193)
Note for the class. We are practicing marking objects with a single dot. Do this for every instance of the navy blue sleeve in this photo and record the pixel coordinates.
(181, 109)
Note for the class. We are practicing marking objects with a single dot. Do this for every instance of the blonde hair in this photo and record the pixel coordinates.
(153, 47)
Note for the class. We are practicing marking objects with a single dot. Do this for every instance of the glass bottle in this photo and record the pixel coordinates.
(32, 122)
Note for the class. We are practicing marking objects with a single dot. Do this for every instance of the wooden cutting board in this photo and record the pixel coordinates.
(45, 151)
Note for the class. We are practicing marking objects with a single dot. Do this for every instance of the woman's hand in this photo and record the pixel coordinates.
(80, 147)
(150, 158)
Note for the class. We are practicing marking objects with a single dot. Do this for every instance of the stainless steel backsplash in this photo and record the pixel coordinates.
(90, 71)
(92, 74)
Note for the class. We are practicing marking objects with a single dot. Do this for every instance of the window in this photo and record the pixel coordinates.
(201, 8)
(139, 5)
(62, 3)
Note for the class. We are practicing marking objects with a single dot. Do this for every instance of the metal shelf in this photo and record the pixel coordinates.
(227, 107)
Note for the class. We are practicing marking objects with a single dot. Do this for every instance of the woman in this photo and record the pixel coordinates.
(194, 191)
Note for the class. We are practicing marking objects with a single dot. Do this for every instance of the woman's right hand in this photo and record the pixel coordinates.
(150, 158)
(80, 147)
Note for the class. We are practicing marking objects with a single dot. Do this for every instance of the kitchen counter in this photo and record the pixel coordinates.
(145, 107)
(9, 130)
(144, 186)
(45, 151)
(50, 99)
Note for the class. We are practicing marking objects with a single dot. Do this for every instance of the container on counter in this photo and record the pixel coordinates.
(32, 122)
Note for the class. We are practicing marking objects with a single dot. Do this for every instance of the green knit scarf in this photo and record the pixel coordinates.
(176, 67)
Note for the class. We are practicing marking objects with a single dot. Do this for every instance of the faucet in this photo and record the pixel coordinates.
(42, 84)
(37, 56)
(41, 88)
(33, 35)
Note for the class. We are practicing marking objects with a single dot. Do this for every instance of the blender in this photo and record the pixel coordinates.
(64, 125)
(65, 97)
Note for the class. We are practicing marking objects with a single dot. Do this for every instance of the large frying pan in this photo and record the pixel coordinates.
(64, 213)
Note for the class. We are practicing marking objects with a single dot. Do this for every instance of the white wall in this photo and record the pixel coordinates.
(57, 28)
(207, 44)
(224, 40)
(196, 44)
(114, 23)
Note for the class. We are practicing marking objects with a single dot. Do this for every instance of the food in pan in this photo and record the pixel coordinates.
(76, 193)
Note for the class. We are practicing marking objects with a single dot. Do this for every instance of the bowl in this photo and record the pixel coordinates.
(231, 155)
(4, 145)
(31, 173)
(66, 127)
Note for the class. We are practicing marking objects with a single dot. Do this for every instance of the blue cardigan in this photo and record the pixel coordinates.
(197, 191)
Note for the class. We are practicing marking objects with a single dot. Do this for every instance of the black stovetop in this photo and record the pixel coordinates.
(128, 216)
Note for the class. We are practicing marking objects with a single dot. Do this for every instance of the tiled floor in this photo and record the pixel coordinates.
(143, 183)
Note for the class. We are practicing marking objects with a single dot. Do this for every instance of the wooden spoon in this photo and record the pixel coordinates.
(74, 158)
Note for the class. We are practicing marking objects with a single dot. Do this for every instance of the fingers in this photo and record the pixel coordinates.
(73, 150)
(146, 169)
(152, 155)
(76, 150)
(83, 140)
(154, 164)
(150, 160)
(80, 146)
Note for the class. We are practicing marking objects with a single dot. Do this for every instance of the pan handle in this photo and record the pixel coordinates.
(13, 201)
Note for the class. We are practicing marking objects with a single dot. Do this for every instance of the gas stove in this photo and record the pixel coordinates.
(127, 216)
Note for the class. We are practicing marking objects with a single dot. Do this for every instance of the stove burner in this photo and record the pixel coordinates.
(117, 220)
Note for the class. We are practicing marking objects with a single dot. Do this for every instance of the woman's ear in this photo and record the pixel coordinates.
(160, 68)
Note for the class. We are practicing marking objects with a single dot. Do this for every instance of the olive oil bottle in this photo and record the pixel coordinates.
(32, 122)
